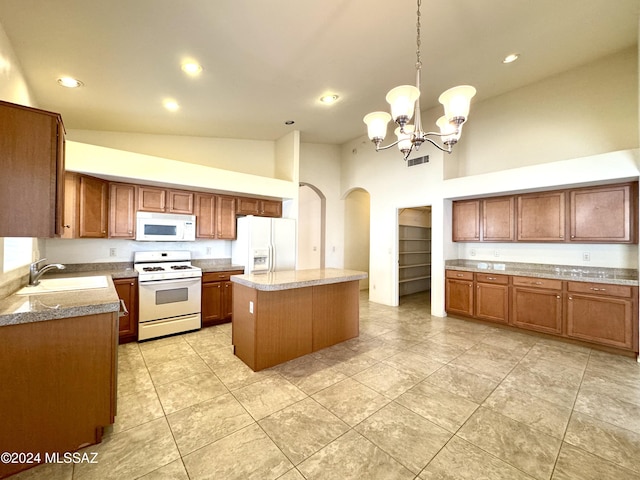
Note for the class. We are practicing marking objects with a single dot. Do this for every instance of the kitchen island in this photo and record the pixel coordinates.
(280, 316)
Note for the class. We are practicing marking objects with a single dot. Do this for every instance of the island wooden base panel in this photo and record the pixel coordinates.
(58, 385)
(286, 324)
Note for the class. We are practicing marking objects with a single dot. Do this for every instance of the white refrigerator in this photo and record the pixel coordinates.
(265, 244)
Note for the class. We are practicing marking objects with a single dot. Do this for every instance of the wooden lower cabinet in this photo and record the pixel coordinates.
(601, 314)
(459, 293)
(127, 289)
(217, 297)
(492, 298)
(604, 314)
(58, 382)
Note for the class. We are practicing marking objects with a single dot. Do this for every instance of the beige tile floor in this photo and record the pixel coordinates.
(415, 397)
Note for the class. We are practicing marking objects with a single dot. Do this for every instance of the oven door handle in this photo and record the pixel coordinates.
(169, 280)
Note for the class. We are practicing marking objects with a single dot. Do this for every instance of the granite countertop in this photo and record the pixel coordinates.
(615, 276)
(297, 278)
(16, 309)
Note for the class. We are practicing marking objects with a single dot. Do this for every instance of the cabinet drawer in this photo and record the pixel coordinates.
(489, 278)
(219, 276)
(537, 283)
(600, 289)
(459, 275)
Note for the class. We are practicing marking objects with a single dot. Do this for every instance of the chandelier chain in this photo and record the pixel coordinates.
(418, 60)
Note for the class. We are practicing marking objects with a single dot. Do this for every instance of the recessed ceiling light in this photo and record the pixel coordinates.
(171, 105)
(289, 122)
(191, 68)
(329, 99)
(512, 57)
(69, 82)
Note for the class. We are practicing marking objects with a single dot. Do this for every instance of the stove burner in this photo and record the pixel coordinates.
(181, 267)
(153, 269)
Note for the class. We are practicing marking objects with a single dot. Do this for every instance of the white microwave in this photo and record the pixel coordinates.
(165, 227)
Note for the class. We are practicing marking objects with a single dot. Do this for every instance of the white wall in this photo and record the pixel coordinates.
(309, 229)
(320, 166)
(500, 166)
(255, 157)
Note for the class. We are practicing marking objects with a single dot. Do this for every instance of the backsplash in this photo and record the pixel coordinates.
(114, 251)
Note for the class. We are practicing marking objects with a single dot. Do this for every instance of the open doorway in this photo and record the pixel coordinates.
(311, 227)
(414, 255)
(357, 232)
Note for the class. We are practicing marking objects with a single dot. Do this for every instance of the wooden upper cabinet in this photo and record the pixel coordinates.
(541, 217)
(70, 213)
(215, 216)
(154, 199)
(466, 221)
(122, 210)
(180, 202)
(258, 207)
(603, 214)
(226, 218)
(498, 219)
(205, 210)
(151, 199)
(93, 200)
(32, 179)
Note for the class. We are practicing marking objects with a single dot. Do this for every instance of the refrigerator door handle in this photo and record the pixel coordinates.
(272, 260)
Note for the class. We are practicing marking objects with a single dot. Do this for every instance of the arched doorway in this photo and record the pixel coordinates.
(311, 227)
(356, 232)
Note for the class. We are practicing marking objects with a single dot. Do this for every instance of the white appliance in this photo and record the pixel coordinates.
(165, 227)
(265, 244)
(169, 293)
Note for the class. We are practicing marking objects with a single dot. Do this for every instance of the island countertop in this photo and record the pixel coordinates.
(291, 279)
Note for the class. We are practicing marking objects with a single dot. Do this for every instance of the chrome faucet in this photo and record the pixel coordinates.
(35, 274)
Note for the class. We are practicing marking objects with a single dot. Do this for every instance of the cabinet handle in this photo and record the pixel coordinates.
(557, 296)
(573, 236)
(570, 298)
(67, 226)
(595, 289)
(491, 278)
(459, 275)
(536, 283)
(124, 312)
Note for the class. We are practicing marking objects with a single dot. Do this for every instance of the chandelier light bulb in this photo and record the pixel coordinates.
(457, 101)
(377, 124)
(404, 138)
(402, 100)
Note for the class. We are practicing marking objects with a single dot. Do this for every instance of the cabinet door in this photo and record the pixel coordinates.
(128, 323)
(93, 199)
(180, 202)
(603, 320)
(151, 199)
(271, 208)
(498, 219)
(226, 218)
(71, 203)
(211, 303)
(459, 297)
(205, 210)
(537, 309)
(227, 300)
(247, 206)
(492, 302)
(466, 221)
(541, 217)
(122, 210)
(32, 179)
(602, 214)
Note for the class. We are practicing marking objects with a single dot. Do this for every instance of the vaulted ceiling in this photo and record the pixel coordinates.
(269, 61)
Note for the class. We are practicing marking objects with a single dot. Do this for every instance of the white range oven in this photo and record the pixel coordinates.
(169, 293)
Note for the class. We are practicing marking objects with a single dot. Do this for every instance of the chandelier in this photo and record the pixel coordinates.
(405, 101)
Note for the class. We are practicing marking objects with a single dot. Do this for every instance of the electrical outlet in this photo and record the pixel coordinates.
(113, 252)
(496, 253)
(209, 251)
(586, 256)
(473, 252)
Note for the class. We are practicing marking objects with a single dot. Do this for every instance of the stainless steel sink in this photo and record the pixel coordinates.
(52, 285)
